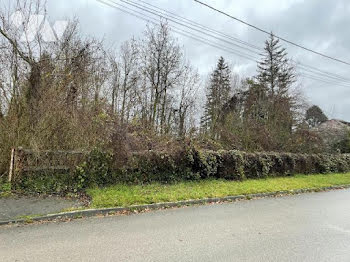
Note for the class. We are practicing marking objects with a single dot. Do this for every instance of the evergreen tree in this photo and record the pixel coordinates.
(256, 102)
(274, 70)
(276, 76)
(218, 93)
(315, 116)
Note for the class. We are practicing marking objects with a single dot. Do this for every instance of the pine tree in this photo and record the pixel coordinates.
(276, 76)
(274, 70)
(218, 93)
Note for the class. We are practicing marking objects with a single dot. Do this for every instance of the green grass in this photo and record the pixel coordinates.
(5, 189)
(126, 195)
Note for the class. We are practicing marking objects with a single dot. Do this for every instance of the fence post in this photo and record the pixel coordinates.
(12, 163)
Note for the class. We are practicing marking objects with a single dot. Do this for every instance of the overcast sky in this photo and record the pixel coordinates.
(319, 25)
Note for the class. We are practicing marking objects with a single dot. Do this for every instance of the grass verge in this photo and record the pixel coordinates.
(126, 195)
(5, 189)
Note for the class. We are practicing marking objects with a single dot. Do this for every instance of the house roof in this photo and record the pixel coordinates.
(333, 131)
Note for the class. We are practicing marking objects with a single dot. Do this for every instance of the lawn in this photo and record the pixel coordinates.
(126, 195)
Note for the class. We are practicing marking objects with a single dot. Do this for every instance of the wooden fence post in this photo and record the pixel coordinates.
(12, 163)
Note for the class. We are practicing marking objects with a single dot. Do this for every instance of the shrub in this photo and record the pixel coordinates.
(161, 167)
(188, 163)
(44, 182)
(231, 166)
(95, 171)
(342, 146)
(205, 163)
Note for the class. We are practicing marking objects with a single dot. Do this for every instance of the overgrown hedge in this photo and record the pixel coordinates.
(188, 164)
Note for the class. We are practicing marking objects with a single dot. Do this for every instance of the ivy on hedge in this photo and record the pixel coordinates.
(188, 164)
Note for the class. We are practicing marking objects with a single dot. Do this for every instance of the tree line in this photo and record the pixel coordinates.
(77, 94)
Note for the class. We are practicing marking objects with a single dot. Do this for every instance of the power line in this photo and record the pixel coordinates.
(269, 33)
(176, 29)
(176, 16)
(248, 56)
(322, 71)
(310, 70)
(199, 38)
(299, 64)
(312, 77)
(206, 41)
(154, 12)
(165, 13)
(182, 19)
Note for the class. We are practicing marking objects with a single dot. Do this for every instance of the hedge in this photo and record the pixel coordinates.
(99, 168)
(231, 165)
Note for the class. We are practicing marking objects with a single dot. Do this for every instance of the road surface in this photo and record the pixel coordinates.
(308, 227)
(12, 208)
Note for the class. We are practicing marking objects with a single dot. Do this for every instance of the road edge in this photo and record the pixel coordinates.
(108, 211)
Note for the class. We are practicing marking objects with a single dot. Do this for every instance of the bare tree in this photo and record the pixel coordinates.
(26, 47)
(115, 82)
(129, 75)
(189, 85)
(161, 61)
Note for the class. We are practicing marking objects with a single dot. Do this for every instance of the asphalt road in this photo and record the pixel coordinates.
(308, 227)
(14, 208)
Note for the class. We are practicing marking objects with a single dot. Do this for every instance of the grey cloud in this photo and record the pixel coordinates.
(320, 25)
